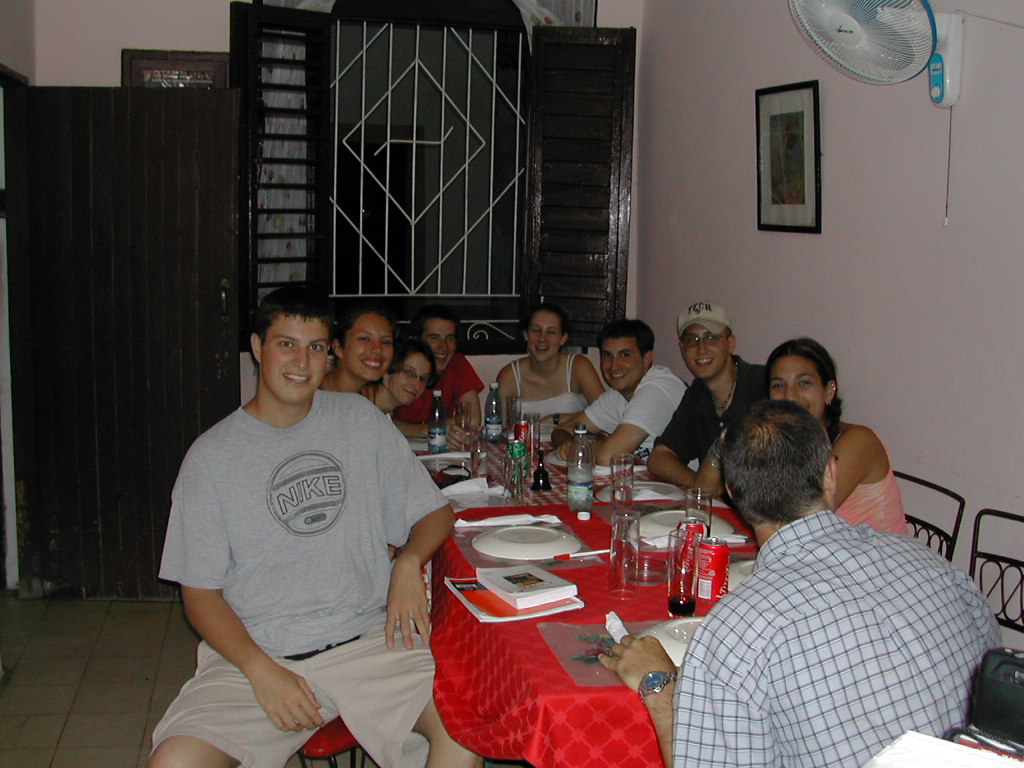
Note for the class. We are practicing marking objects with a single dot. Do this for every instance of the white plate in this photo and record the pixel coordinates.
(662, 522)
(526, 542)
(675, 635)
(649, 487)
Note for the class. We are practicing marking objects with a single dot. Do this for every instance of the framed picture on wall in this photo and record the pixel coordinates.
(173, 69)
(788, 158)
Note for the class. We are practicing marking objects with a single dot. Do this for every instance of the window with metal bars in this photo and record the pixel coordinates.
(398, 160)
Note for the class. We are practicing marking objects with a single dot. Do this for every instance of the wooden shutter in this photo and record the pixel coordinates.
(581, 136)
(304, 242)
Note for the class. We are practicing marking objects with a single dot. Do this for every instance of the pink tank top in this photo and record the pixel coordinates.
(878, 504)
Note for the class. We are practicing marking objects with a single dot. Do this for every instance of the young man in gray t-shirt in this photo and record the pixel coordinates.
(279, 531)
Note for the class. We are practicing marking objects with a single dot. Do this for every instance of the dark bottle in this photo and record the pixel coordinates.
(541, 478)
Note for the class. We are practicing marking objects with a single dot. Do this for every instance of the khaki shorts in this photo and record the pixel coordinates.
(380, 692)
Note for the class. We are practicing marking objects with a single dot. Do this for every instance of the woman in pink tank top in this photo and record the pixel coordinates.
(802, 370)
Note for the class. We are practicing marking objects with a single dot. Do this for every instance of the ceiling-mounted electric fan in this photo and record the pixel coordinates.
(886, 41)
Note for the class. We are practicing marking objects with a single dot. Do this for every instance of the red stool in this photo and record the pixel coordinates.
(330, 740)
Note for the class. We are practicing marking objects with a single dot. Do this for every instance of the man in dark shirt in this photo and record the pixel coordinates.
(723, 387)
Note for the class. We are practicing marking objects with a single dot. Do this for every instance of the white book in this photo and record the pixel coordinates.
(488, 607)
(525, 586)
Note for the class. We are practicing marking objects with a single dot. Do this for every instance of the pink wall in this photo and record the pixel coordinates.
(924, 317)
(79, 43)
(17, 43)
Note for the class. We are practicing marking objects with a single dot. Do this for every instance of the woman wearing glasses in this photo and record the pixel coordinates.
(549, 381)
(411, 372)
(802, 371)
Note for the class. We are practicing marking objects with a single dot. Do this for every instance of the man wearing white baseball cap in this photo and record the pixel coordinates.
(723, 387)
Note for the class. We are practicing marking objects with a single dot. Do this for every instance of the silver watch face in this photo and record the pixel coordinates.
(655, 682)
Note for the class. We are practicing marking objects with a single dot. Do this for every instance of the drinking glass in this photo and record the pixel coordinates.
(622, 480)
(532, 419)
(513, 413)
(698, 504)
(682, 563)
(622, 554)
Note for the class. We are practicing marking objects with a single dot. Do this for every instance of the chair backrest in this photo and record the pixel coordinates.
(925, 502)
(1000, 576)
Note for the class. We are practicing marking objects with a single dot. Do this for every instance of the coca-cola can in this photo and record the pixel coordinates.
(712, 574)
(522, 431)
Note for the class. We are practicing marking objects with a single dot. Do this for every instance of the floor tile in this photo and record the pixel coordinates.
(25, 758)
(48, 671)
(93, 757)
(112, 697)
(68, 645)
(36, 699)
(30, 731)
(104, 730)
(121, 670)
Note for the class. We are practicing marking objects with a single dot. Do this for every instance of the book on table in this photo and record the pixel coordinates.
(525, 586)
(488, 607)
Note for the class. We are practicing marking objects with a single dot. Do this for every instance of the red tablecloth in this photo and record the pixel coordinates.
(501, 691)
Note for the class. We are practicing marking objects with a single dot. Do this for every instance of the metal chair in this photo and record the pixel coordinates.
(1000, 577)
(931, 534)
(329, 741)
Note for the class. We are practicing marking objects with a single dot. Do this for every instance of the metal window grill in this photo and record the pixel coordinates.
(430, 162)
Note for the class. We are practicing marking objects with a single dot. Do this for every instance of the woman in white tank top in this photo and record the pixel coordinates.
(549, 381)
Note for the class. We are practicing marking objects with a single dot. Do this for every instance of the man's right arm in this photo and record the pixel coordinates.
(285, 696)
(665, 464)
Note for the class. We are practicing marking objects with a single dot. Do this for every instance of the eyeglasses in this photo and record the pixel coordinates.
(412, 375)
(691, 340)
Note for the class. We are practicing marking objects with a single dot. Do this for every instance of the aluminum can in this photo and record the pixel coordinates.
(522, 430)
(712, 578)
(517, 448)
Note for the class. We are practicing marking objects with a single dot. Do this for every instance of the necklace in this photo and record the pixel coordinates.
(722, 407)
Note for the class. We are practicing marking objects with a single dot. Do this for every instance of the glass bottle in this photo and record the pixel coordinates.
(580, 488)
(492, 415)
(437, 426)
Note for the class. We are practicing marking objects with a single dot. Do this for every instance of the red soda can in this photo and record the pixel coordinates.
(522, 431)
(712, 579)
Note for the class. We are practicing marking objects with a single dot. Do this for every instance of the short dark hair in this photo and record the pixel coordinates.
(406, 348)
(353, 312)
(623, 328)
(291, 301)
(544, 306)
(429, 312)
(813, 351)
(773, 462)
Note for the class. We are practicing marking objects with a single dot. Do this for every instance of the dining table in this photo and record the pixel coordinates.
(502, 690)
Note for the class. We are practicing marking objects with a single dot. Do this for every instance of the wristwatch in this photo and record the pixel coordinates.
(655, 682)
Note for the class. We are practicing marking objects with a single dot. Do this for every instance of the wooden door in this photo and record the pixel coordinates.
(122, 216)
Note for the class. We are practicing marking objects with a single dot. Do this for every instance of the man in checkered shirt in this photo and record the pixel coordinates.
(842, 638)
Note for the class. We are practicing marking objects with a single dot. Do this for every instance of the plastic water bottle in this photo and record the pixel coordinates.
(579, 492)
(437, 426)
(492, 415)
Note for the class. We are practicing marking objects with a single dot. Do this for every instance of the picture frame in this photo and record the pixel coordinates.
(788, 158)
(173, 69)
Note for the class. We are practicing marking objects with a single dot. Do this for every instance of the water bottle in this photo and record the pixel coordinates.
(492, 415)
(437, 426)
(580, 489)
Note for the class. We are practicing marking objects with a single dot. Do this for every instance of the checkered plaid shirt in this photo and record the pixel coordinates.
(842, 639)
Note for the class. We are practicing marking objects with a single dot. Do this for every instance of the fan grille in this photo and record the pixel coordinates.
(874, 41)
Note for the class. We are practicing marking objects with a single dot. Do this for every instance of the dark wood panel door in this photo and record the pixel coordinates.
(124, 320)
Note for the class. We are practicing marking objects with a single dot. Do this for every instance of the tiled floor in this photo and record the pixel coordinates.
(87, 680)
